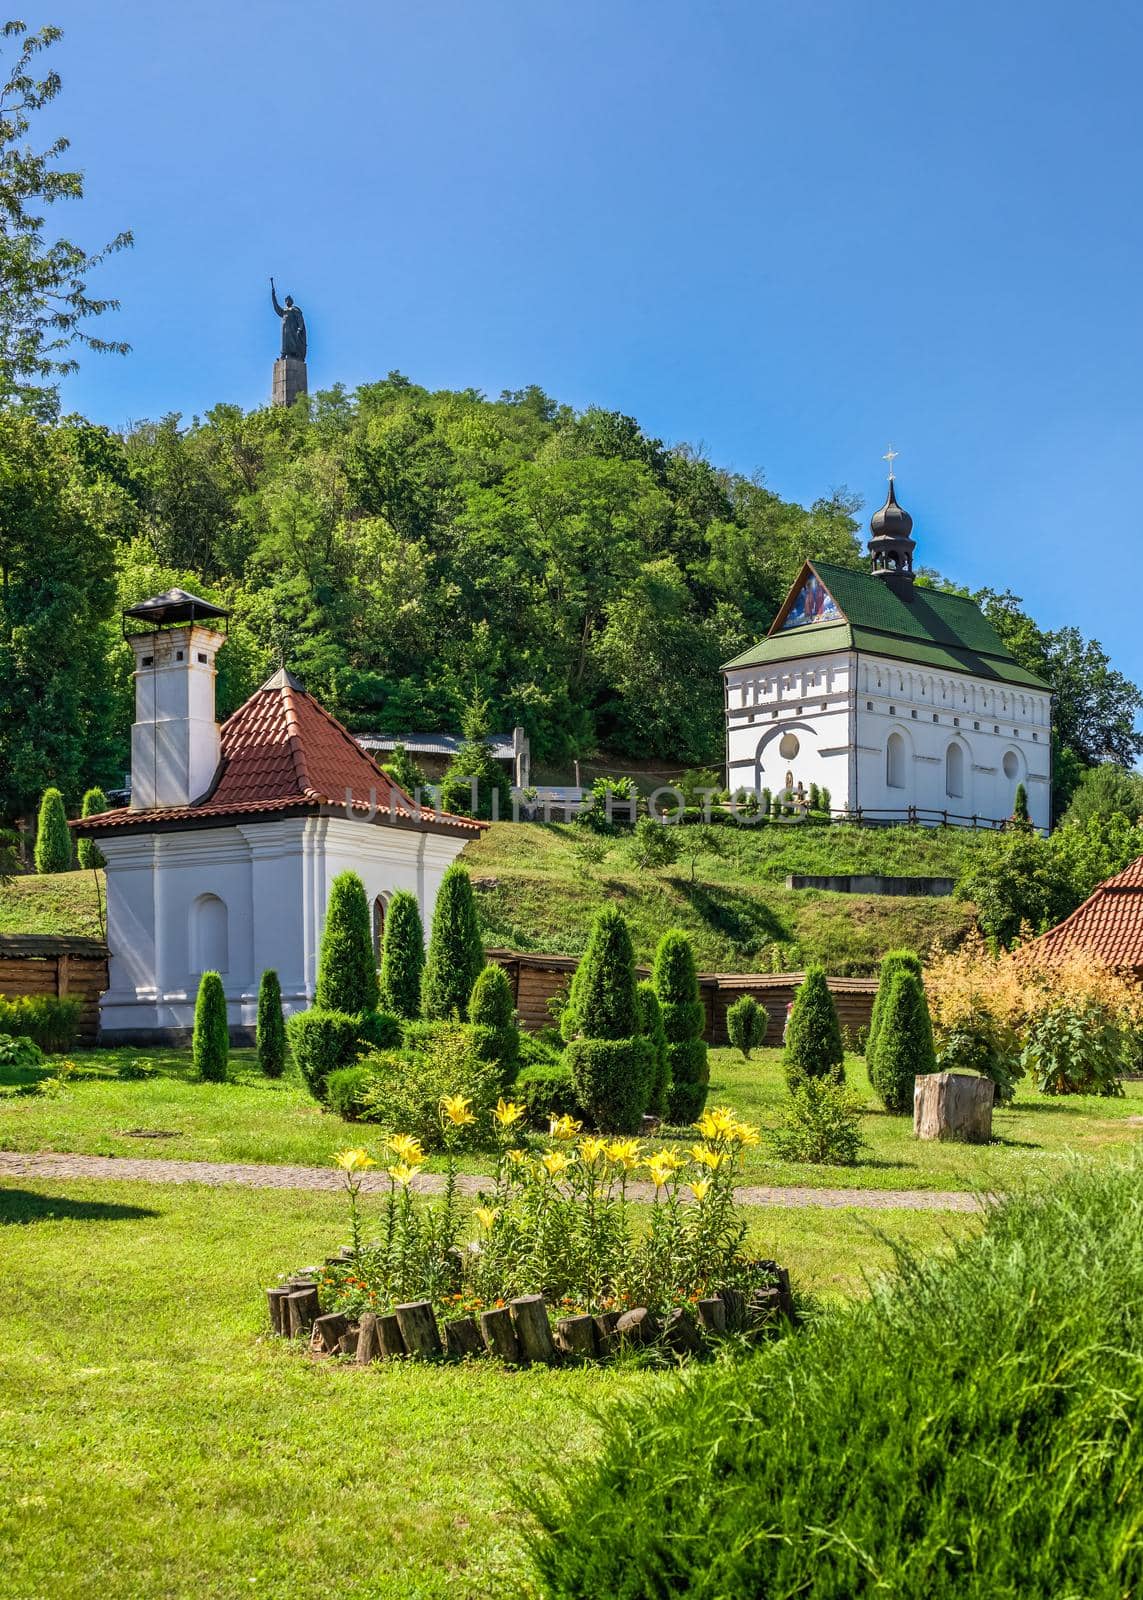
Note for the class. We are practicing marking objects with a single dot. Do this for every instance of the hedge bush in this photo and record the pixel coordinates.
(402, 956)
(1000, 1461)
(50, 1021)
(321, 1042)
(345, 1091)
(904, 1043)
(676, 984)
(53, 836)
(814, 1047)
(271, 1033)
(821, 1124)
(88, 852)
(892, 962)
(651, 1027)
(211, 1039)
(613, 1079)
(601, 1001)
(548, 1090)
(456, 953)
(347, 970)
(746, 1024)
(492, 1020)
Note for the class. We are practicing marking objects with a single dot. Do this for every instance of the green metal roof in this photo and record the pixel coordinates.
(944, 631)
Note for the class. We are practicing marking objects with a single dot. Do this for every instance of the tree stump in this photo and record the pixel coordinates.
(682, 1335)
(389, 1340)
(462, 1338)
(419, 1329)
(638, 1327)
(953, 1105)
(303, 1309)
(605, 1337)
(575, 1336)
(712, 1315)
(347, 1344)
(329, 1329)
(534, 1331)
(279, 1310)
(735, 1302)
(499, 1333)
(368, 1345)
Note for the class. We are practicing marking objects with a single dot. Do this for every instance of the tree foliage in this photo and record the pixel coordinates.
(746, 1023)
(271, 1035)
(53, 836)
(456, 951)
(210, 1048)
(89, 854)
(347, 970)
(676, 984)
(814, 1047)
(904, 1047)
(402, 956)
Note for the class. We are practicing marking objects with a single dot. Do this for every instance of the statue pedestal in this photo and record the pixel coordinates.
(289, 381)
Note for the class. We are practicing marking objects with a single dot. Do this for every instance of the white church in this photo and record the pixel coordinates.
(224, 857)
(899, 699)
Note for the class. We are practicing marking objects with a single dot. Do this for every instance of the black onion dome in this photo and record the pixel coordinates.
(891, 522)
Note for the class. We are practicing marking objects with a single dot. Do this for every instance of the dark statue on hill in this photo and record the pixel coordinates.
(293, 326)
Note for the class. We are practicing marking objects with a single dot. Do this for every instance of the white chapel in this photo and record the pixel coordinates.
(224, 857)
(900, 699)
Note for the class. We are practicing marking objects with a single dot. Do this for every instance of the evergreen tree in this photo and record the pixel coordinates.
(456, 951)
(404, 771)
(1020, 807)
(89, 853)
(492, 1018)
(904, 1042)
(892, 962)
(347, 971)
(53, 836)
(746, 1023)
(271, 1026)
(211, 1046)
(475, 763)
(676, 984)
(651, 1027)
(611, 1062)
(402, 957)
(814, 1047)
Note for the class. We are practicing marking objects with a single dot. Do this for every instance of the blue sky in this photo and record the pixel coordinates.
(787, 233)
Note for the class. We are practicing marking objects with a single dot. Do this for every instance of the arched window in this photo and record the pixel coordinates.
(954, 771)
(378, 924)
(895, 762)
(209, 935)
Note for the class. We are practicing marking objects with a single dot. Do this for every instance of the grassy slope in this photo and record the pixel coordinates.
(252, 1119)
(62, 902)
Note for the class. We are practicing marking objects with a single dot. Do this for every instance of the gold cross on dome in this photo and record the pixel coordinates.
(891, 456)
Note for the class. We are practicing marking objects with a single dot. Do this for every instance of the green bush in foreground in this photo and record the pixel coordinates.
(904, 1048)
(892, 962)
(321, 1043)
(548, 1090)
(612, 1063)
(651, 1027)
(347, 970)
(211, 1039)
(402, 956)
(814, 1047)
(676, 984)
(53, 837)
(821, 1124)
(492, 1021)
(271, 1035)
(970, 1433)
(746, 1023)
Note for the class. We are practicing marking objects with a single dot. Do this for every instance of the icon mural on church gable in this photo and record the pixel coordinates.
(812, 603)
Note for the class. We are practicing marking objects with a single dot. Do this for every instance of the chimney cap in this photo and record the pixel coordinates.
(172, 607)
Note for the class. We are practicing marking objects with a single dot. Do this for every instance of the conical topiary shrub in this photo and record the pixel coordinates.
(492, 1019)
(651, 1027)
(1020, 814)
(892, 962)
(676, 984)
(89, 854)
(402, 957)
(53, 837)
(814, 1047)
(904, 1043)
(456, 952)
(347, 970)
(271, 1026)
(211, 1045)
(746, 1024)
(611, 1063)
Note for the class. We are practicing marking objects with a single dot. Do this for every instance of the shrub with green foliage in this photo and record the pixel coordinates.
(52, 1021)
(1020, 813)
(456, 952)
(612, 1080)
(404, 771)
(321, 1042)
(892, 962)
(1076, 1048)
(676, 984)
(654, 844)
(406, 1088)
(347, 971)
(53, 836)
(346, 1091)
(1002, 1461)
(19, 1053)
(88, 852)
(904, 1047)
(822, 1123)
(271, 1034)
(814, 1046)
(548, 1090)
(211, 1040)
(651, 1027)
(612, 1064)
(402, 956)
(492, 1022)
(746, 1024)
(476, 784)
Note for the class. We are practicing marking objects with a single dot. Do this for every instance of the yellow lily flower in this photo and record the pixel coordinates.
(709, 1125)
(486, 1216)
(407, 1148)
(700, 1190)
(744, 1134)
(508, 1113)
(564, 1127)
(661, 1172)
(668, 1158)
(518, 1157)
(401, 1173)
(591, 1148)
(457, 1108)
(555, 1162)
(627, 1153)
(354, 1160)
(706, 1157)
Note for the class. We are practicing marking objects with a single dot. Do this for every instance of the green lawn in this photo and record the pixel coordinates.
(154, 1441)
(255, 1119)
(59, 903)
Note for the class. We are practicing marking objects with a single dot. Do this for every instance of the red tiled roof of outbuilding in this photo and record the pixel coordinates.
(1109, 925)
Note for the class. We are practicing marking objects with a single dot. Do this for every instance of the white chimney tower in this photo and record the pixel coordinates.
(175, 743)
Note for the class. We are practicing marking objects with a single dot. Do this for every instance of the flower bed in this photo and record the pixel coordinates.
(557, 1236)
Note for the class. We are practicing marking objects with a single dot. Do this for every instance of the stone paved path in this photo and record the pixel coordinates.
(255, 1176)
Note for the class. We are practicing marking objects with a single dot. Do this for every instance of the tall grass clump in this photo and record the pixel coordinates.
(969, 1433)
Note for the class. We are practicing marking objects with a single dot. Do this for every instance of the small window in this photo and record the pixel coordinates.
(895, 762)
(869, 705)
(202, 658)
(788, 746)
(178, 655)
(148, 661)
(892, 711)
(936, 716)
(913, 714)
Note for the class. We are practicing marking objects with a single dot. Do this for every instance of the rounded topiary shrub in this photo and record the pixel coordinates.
(88, 853)
(651, 1027)
(612, 1078)
(271, 1035)
(211, 1040)
(492, 1019)
(676, 984)
(346, 1088)
(547, 1088)
(402, 956)
(892, 962)
(321, 1042)
(347, 971)
(746, 1024)
(456, 952)
(814, 1047)
(53, 837)
(904, 1043)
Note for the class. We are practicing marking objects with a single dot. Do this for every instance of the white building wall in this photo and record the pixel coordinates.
(769, 708)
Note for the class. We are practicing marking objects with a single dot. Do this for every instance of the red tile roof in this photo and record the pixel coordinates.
(282, 751)
(1109, 924)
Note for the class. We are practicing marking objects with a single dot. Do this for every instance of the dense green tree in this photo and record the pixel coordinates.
(892, 962)
(347, 970)
(651, 1027)
(53, 836)
(492, 1020)
(456, 951)
(402, 956)
(904, 1047)
(676, 985)
(476, 784)
(88, 852)
(611, 1061)
(271, 1032)
(1106, 791)
(404, 771)
(210, 1048)
(1014, 880)
(746, 1024)
(814, 1047)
